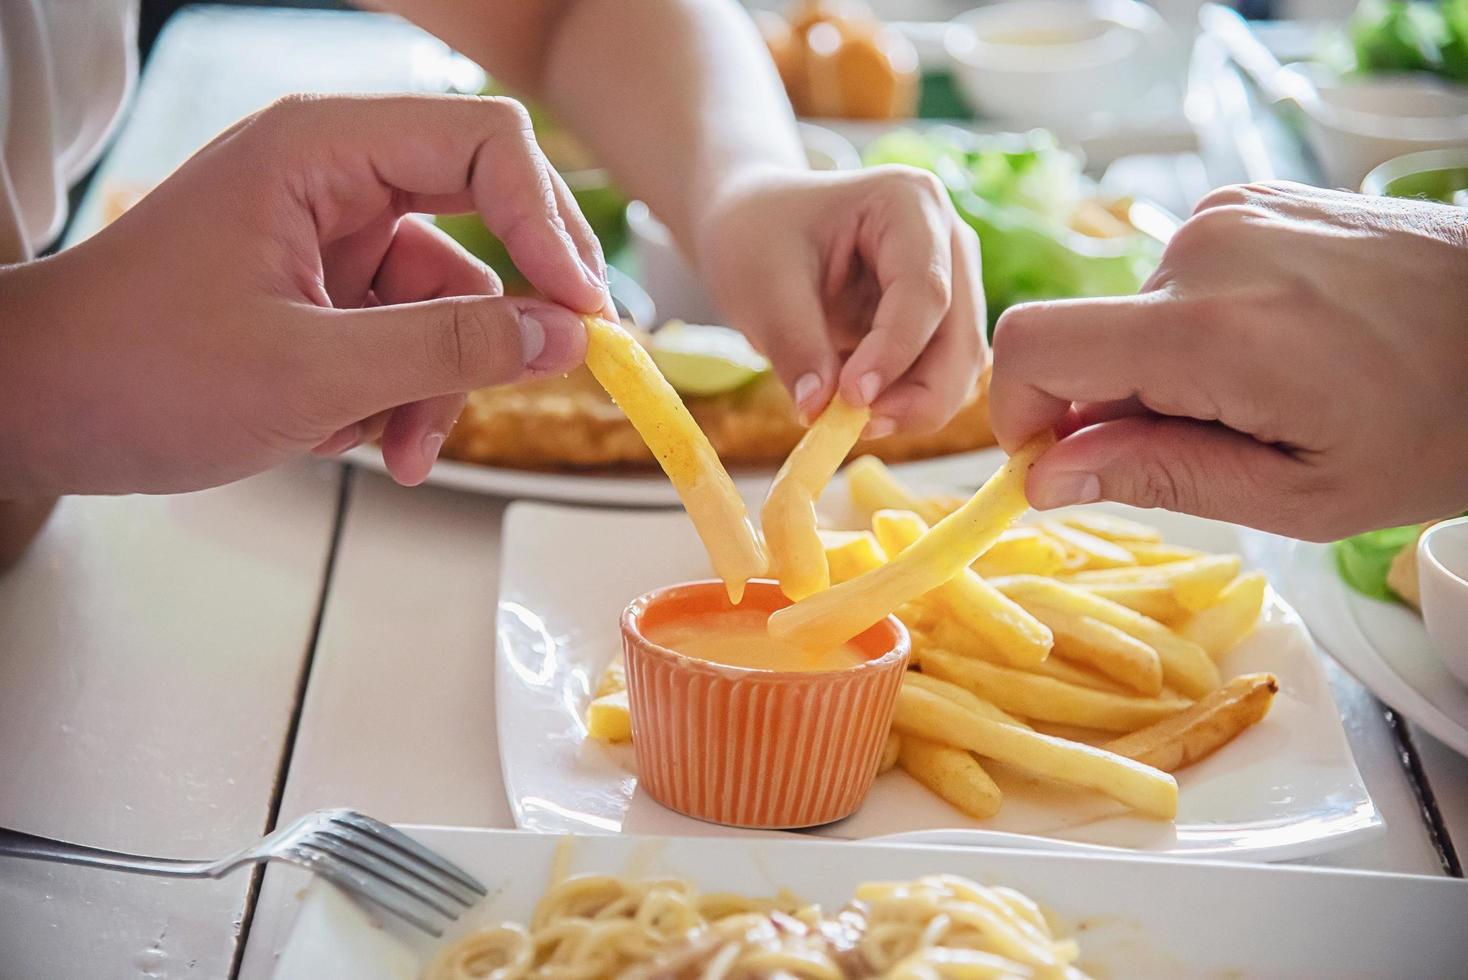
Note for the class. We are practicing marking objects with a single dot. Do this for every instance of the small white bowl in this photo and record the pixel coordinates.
(667, 276)
(1056, 63)
(1442, 571)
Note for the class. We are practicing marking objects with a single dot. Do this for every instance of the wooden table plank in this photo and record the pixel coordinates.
(399, 715)
(149, 662)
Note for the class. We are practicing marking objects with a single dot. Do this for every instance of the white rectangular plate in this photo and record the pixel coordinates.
(1285, 789)
(1134, 917)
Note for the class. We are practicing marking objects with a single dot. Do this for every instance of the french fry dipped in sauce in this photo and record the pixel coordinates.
(628, 374)
(831, 617)
(797, 554)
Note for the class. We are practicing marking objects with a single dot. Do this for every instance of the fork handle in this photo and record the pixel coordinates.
(15, 843)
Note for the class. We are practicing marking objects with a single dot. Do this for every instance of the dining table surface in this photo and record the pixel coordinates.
(181, 674)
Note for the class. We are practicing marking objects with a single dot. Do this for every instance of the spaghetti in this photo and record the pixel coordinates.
(591, 927)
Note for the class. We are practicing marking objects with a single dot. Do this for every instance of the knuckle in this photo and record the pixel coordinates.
(461, 347)
(922, 183)
(1169, 484)
(933, 285)
(1231, 194)
(509, 113)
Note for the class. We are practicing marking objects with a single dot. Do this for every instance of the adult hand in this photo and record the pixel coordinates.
(864, 282)
(270, 298)
(1298, 363)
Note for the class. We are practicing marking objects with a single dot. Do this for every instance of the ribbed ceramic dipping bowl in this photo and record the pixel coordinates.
(755, 748)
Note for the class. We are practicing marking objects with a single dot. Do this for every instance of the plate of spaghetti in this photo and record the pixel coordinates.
(738, 909)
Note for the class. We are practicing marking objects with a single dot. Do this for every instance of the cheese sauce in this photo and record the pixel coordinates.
(738, 638)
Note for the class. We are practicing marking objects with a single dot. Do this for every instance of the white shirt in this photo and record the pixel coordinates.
(67, 68)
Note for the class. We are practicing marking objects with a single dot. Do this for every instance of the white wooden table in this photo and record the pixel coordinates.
(177, 675)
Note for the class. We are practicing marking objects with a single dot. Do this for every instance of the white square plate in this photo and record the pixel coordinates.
(1134, 917)
(1285, 789)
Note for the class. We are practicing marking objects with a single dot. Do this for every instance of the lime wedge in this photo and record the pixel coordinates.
(703, 360)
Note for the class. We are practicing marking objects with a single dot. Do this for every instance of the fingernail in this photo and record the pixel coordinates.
(869, 385)
(880, 427)
(1063, 489)
(432, 443)
(805, 388)
(547, 338)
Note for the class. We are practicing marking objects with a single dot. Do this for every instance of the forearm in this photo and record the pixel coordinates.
(677, 98)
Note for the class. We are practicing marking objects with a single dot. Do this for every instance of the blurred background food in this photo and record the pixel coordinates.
(837, 60)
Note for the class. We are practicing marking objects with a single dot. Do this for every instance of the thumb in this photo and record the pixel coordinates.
(400, 354)
(1199, 468)
(789, 327)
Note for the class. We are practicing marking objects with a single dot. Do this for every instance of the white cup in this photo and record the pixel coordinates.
(1442, 571)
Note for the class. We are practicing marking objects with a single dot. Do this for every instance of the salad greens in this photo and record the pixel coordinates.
(1400, 35)
(1017, 191)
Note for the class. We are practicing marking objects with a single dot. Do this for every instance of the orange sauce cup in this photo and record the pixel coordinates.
(755, 748)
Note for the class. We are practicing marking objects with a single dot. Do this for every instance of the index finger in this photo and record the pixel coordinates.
(461, 153)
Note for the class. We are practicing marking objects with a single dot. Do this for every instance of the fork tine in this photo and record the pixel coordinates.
(369, 888)
(406, 844)
(370, 864)
(449, 887)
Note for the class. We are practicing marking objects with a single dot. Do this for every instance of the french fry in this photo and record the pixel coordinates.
(628, 374)
(1185, 665)
(953, 774)
(1104, 648)
(923, 714)
(1018, 637)
(873, 487)
(1195, 582)
(1204, 728)
(613, 678)
(1221, 627)
(1022, 551)
(1157, 553)
(1087, 550)
(788, 519)
(609, 718)
(1110, 527)
(962, 697)
(849, 553)
(890, 753)
(1048, 699)
(1154, 599)
(834, 616)
(1064, 670)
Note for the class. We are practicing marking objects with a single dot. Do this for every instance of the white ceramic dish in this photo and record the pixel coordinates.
(1383, 644)
(1442, 572)
(1056, 63)
(1133, 917)
(1285, 789)
(612, 488)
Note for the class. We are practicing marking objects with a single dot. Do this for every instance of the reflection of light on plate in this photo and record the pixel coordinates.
(533, 640)
(600, 823)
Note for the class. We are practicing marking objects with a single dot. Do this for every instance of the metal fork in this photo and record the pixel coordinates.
(360, 855)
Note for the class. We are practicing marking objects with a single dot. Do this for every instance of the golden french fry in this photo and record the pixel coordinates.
(628, 374)
(1223, 625)
(962, 697)
(1064, 670)
(849, 553)
(609, 718)
(1157, 553)
(1110, 527)
(834, 616)
(613, 678)
(923, 714)
(1185, 665)
(797, 557)
(1154, 599)
(953, 774)
(874, 487)
(1087, 550)
(1022, 551)
(1047, 699)
(890, 753)
(1102, 647)
(1204, 728)
(1195, 582)
(1015, 635)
